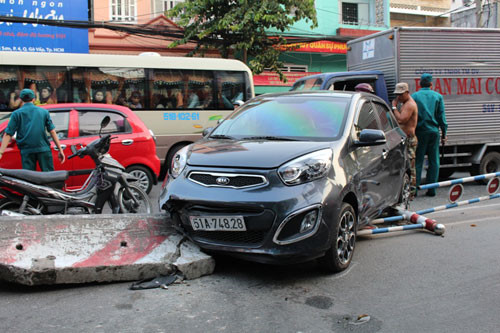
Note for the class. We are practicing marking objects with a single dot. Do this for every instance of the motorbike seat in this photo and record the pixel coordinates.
(36, 177)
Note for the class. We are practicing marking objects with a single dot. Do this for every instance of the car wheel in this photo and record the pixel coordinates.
(339, 256)
(145, 179)
(405, 194)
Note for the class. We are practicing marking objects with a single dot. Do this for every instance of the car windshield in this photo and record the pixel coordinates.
(308, 84)
(287, 118)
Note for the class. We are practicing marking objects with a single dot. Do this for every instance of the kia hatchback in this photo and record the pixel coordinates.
(290, 177)
(78, 124)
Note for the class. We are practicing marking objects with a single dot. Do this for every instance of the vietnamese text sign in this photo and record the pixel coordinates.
(322, 46)
(32, 37)
(273, 79)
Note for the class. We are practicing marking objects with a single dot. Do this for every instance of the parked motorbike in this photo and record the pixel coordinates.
(29, 192)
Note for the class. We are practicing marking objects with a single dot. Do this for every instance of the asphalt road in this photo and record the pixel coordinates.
(401, 282)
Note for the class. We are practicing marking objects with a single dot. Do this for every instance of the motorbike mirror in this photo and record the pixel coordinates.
(105, 121)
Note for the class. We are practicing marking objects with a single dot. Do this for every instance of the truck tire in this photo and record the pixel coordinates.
(489, 163)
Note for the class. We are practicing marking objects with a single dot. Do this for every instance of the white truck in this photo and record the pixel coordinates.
(465, 64)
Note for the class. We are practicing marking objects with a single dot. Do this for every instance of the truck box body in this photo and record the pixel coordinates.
(465, 65)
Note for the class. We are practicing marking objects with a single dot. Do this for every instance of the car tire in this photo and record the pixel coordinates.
(338, 257)
(145, 177)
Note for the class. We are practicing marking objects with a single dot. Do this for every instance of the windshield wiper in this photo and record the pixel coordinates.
(269, 137)
(221, 136)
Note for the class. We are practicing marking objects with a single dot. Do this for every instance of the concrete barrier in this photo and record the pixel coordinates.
(36, 250)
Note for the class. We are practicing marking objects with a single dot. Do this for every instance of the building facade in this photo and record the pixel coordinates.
(326, 49)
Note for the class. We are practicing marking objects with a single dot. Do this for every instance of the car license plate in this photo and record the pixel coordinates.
(218, 223)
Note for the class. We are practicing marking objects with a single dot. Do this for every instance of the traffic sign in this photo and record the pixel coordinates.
(493, 185)
(455, 193)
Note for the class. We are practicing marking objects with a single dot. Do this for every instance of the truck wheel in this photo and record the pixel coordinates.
(489, 163)
(339, 256)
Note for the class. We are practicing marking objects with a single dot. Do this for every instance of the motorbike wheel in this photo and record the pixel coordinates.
(141, 204)
(14, 207)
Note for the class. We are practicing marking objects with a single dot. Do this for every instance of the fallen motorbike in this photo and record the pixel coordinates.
(28, 192)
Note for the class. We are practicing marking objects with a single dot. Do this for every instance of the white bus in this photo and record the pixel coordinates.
(176, 97)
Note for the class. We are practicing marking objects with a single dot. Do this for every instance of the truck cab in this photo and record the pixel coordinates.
(344, 81)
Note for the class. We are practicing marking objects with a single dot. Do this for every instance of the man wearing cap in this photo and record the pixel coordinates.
(431, 118)
(407, 115)
(31, 122)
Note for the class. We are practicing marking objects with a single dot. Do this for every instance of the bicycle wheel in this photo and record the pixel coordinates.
(138, 204)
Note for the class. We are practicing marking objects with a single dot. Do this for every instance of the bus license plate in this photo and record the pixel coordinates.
(218, 223)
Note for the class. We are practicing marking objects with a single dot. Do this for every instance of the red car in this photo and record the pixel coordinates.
(134, 146)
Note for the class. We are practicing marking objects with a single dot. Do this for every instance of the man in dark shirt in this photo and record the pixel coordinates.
(31, 122)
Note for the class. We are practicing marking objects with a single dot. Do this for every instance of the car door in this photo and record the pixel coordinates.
(394, 164)
(371, 163)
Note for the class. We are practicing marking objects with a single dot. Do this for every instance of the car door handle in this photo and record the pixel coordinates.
(62, 146)
(127, 142)
(384, 154)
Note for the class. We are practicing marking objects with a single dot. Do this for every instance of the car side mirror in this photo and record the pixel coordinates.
(207, 131)
(371, 137)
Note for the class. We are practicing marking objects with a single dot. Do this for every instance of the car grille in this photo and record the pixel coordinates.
(227, 179)
(231, 237)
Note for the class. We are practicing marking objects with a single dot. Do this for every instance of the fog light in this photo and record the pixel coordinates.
(309, 221)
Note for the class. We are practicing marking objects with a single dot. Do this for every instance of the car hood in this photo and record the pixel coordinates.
(249, 154)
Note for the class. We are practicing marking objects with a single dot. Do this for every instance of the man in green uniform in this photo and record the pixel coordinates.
(31, 122)
(431, 118)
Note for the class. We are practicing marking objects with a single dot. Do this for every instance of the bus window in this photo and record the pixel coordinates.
(231, 86)
(46, 83)
(167, 88)
(109, 85)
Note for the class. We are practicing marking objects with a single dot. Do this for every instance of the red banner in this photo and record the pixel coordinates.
(273, 79)
(322, 46)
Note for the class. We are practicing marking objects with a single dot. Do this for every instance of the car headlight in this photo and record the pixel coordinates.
(307, 168)
(179, 162)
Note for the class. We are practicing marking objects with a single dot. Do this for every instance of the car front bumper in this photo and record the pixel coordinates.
(273, 214)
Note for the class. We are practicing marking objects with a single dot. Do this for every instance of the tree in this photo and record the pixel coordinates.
(241, 27)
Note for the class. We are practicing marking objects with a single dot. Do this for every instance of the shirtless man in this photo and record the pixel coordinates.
(407, 116)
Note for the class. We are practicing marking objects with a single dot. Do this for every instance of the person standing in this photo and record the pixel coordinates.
(407, 116)
(431, 118)
(30, 123)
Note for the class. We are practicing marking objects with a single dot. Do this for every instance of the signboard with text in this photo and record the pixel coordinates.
(322, 46)
(273, 79)
(32, 37)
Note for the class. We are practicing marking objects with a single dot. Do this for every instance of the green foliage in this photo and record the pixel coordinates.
(240, 27)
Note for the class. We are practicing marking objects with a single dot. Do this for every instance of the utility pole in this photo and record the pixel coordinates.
(479, 11)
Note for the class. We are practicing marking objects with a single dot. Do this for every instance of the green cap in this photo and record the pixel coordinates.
(426, 79)
(27, 93)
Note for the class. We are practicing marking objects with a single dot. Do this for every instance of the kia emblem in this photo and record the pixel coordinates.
(222, 180)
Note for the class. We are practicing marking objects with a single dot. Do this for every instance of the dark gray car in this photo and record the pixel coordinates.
(290, 177)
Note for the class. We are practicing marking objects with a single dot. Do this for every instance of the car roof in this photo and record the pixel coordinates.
(329, 75)
(88, 107)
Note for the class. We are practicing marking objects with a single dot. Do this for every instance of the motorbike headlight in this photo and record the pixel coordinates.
(306, 168)
(179, 162)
